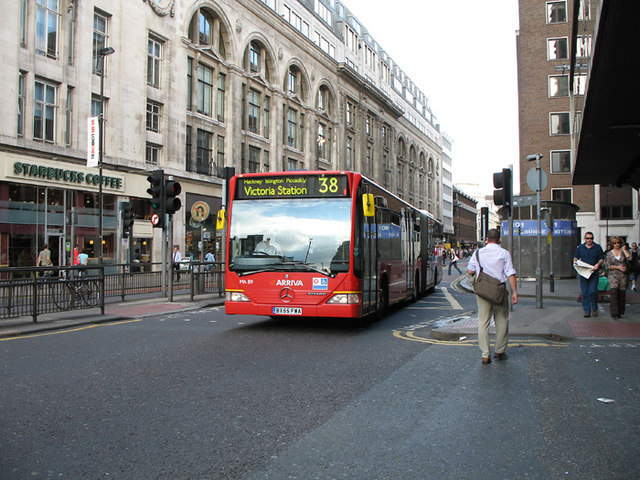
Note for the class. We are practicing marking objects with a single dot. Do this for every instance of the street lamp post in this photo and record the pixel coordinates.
(103, 52)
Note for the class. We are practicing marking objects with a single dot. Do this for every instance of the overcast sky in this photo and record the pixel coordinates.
(462, 55)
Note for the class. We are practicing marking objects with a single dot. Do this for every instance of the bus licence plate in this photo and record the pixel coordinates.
(287, 311)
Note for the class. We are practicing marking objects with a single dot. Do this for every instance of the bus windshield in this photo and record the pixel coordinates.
(304, 234)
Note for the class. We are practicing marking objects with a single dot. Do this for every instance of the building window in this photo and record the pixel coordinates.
(561, 195)
(254, 57)
(254, 159)
(561, 161)
(152, 153)
(368, 126)
(95, 105)
(189, 83)
(579, 84)
(369, 161)
(559, 123)
(23, 23)
(266, 125)
(100, 24)
(205, 89)
(154, 61)
(557, 12)
(349, 155)
(220, 151)
(68, 137)
(322, 141)
(205, 27)
(220, 98)
(154, 115)
(44, 111)
(47, 22)
(188, 146)
(266, 162)
(583, 46)
(559, 86)
(584, 10)
(616, 203)
(21, 103)
(292, 164)
(204, 153)
(254, 111)
(557, 48)
(292, 130)
(349, 113)
(292, 81)
(323, 11)
(351, 40)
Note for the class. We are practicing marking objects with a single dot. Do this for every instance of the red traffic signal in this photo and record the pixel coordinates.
(171, 191)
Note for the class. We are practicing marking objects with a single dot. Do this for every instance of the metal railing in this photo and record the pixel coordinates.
(34, 291)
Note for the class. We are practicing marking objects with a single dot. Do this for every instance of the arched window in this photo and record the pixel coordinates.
(295, 83)
(257, 60)
(206, 29)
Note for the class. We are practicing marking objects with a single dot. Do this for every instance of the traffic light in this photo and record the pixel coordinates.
(171, 191)
(127, 219)
(504, 184)
(156, 190)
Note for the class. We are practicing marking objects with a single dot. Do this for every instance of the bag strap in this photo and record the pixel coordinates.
(478, 259)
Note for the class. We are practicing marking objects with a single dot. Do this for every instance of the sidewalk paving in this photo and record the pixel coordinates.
(560, 317)
(113, 311)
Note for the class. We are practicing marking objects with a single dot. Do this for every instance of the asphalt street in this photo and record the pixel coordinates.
(203, 395)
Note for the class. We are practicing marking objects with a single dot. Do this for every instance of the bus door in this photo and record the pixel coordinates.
(368, 237)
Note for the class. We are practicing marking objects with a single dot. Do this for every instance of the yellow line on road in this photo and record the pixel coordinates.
(69, 330)
(409, 335)
(454, 303)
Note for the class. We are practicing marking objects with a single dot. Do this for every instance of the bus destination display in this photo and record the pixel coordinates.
(292, 186)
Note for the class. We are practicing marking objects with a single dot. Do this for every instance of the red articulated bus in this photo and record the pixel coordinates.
(325, 244)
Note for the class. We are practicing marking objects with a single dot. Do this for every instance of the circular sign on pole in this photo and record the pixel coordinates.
(532, 179)
(155, 219)
(200, 211)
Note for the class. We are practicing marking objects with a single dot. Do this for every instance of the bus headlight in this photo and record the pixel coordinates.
(236, 297)
(344, 299)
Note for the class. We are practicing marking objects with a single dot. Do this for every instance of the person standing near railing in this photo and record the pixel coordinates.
(44, 259)
(177, 258)
(209, 258)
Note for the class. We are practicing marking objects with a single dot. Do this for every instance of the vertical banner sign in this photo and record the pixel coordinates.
(93, 141)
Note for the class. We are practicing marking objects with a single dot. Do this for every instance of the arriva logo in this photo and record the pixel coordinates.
(290, 283)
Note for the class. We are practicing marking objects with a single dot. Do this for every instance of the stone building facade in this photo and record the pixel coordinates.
(193, 86)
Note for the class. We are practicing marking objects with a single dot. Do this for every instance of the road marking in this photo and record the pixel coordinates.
(69, 330)
(454, 303)
(466, 342)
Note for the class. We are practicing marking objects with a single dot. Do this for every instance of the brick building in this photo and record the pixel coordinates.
(546, 122)
(465, 219)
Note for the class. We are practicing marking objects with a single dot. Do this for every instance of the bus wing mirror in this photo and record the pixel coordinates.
(220, 219)
(368, 207)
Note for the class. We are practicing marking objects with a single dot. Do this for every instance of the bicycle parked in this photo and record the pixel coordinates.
(75, 292)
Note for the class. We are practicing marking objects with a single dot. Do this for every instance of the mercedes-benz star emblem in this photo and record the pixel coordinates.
(286, 295)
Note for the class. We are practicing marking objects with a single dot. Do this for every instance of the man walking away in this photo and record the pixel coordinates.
(591, 253)
(496, 262)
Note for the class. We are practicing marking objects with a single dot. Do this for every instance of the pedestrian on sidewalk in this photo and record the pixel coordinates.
(591, 253)
(616, 262)
(635, 265)
(453, 261)
(496, 262)
(176, 259)
(44, 260)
